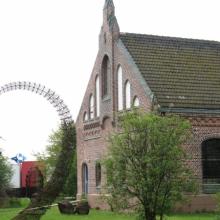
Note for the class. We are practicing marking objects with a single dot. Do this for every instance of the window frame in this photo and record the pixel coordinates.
(91, 107)
(136, 99)
(120, 88)
(98, 174)
(85, 178)
(105, 76)
(97, 96)
(210, 155)
(85, 116)
(127, 92)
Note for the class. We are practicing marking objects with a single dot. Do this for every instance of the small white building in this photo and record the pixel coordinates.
(15, 181)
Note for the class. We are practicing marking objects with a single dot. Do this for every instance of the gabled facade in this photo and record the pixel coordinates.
(170, 75)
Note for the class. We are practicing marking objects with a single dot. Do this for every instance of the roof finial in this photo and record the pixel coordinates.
(109, 3)
(109, 9)
(109, 20)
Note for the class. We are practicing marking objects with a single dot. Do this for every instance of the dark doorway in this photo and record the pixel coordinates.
(34, 181)
(211, 165)
(85, 178)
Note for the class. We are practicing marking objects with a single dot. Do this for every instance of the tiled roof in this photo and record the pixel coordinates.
(182, 73)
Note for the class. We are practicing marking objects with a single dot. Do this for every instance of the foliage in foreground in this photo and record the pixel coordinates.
(217, 198)
(50, 157)
(146, 164)
(55, 185)
(5, 176)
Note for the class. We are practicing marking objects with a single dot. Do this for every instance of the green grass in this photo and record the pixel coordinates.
(7, 214)
(54, 214)
(203, 216)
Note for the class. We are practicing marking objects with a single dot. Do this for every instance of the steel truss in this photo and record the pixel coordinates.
(39, 89)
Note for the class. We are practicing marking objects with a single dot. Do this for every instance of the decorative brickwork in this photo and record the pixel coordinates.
(92, 135)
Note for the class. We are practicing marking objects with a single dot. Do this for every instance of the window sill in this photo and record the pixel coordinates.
(98, 189)
(106, 98)
(91, 120)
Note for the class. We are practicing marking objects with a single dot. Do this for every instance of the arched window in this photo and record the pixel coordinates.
(105, 76)
(211, 165)
(97, 89)
(120, 89)
(136, 102)
(85, 116)
(98, 174)
(127, 95)
(91, 107)
(85, 179)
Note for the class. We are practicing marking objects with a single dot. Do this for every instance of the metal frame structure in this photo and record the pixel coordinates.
(49, 94)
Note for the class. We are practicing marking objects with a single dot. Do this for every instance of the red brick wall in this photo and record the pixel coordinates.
(92, 135)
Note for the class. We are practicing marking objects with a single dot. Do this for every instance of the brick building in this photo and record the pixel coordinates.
(170, 75)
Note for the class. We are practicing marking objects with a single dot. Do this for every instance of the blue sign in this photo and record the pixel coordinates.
(19, 158)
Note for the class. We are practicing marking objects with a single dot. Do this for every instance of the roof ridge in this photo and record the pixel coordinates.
(177, 70)
(182, 39)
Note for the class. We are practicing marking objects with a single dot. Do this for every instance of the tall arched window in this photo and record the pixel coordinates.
(105, 76)
(127, 95)
(85, 179)
(98, 174)
(136, 102)
(85, 116)
(211, 165)
(120, 89)
(91, 107)
(97, 89)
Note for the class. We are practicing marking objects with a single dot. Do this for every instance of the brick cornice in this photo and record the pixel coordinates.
(205, 121)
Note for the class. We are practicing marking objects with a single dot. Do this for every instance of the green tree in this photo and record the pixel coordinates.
(146, 164)
(5, 175)
(58, 179)
(50, 156)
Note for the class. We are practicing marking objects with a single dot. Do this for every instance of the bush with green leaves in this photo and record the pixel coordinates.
(146, 164)
(5, 175)
(55, 185)
(50, 156)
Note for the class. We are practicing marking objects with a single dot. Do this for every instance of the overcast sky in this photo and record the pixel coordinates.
(55, 43)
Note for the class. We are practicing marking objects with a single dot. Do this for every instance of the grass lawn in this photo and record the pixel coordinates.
(192, 217)
(7, 214)
(53, 214)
